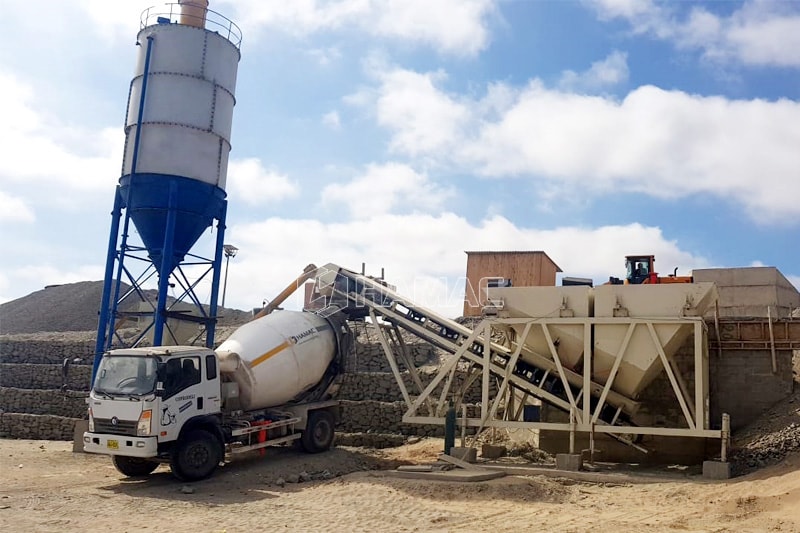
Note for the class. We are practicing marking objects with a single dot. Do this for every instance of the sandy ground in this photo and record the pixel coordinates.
(45, 487)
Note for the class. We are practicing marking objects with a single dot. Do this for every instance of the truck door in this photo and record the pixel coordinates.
(183, 395)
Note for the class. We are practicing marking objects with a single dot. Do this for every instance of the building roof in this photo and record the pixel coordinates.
(515, 252)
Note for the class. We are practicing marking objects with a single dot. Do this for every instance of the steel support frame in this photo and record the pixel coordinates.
(694, 404)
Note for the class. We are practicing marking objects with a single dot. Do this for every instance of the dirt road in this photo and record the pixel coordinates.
(44, 487)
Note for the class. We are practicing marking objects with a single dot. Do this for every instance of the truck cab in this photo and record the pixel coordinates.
(144, 401)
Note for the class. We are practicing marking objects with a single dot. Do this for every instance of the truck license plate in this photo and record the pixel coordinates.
(113, 444)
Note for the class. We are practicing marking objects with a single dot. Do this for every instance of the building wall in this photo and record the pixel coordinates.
(524, 269)
(748, 292)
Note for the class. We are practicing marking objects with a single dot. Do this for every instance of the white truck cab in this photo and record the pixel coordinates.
(173, 404)
(146, 395)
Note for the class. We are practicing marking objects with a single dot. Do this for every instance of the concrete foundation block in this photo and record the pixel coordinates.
(569, 461)
(716, 470)
(490, 451)
(469, 455)
(77, 439)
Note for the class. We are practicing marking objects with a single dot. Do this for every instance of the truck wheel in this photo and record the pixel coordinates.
(133, 466)
(196, 456)
(318, 435)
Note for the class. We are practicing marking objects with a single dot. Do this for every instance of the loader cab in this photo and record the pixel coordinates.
(640, 269)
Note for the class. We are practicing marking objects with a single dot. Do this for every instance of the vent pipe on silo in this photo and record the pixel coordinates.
(193, 13)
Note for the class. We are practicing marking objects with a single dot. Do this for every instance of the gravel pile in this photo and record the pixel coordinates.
(770, 439)
(72, 307)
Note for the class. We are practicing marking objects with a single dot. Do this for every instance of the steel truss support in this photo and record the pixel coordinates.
(520, 373)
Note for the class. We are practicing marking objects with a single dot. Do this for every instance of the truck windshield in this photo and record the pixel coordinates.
(121, 374)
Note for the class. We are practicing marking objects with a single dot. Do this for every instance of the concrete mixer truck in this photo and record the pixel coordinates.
(271, 382)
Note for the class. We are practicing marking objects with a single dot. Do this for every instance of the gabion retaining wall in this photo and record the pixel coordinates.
(381, 417)
(19, 349)
(38, 376)
(43, 402)
(37, 427)
(382, 386)
(32, 406)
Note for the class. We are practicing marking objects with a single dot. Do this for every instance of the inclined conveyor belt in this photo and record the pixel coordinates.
(533, 373)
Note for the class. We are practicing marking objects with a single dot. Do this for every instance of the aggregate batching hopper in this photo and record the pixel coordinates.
(174, 168)
(622, 305)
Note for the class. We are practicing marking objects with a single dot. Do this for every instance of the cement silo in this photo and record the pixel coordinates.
(174, 168)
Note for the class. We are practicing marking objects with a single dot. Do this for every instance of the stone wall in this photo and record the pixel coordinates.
(44, 427)
(32, 404)
(38, 376)
(28, 349)
(69, 404)
(382, 386)
(744, 386)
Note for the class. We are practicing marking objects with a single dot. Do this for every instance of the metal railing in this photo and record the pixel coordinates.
(213, 21)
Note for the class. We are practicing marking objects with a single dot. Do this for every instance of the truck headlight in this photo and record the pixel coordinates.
(91, 421)
(143, 427)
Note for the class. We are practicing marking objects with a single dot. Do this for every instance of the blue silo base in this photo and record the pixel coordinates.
(149, 198)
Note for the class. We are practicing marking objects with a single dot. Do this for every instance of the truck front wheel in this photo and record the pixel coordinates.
(196, 456)
(133, 466)
(319, 433)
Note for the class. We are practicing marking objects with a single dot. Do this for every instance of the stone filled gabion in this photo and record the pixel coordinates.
(70, 404)
(36, 427)
(17, 349)
(33, 406)
(39, 376)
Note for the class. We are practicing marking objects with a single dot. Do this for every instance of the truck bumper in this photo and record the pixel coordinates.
(120, 445)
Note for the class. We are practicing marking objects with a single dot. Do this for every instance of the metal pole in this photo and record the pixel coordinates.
(449, 429)
(572, 430)
(463, 425)
(225, 283)
(772, 342)
(726, 435)
(211, 324)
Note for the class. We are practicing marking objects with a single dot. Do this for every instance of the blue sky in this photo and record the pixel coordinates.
(400, 133)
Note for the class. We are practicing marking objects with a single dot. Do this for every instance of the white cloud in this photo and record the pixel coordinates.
(423, 118)
(609, 72)
(14, 209)
(251, 183)
(667, 144)
(331, 119)
(387, 188)
(325, 56)
(45, 150)
(424, 254)
(760, 32)
(450, 26)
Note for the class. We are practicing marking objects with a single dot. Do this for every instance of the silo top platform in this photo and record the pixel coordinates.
(175, 13)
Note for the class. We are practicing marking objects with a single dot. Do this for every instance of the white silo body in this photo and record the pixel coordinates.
(186, 124)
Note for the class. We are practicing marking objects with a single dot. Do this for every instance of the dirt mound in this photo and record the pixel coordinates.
(74, 307)
(69, 307)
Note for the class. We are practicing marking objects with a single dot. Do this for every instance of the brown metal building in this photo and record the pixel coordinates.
(522, 269)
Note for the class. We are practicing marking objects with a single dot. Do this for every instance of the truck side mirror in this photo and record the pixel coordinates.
(159, 389)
